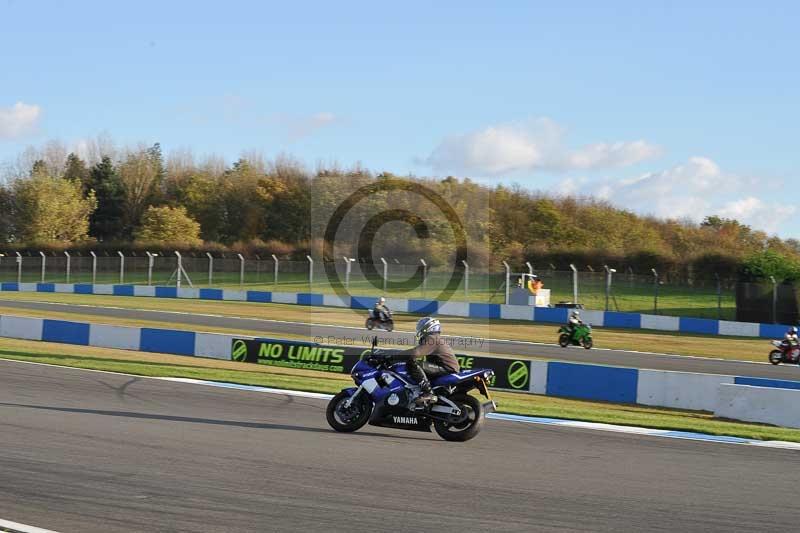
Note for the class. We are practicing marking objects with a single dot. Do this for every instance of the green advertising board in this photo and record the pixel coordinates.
(513, 374)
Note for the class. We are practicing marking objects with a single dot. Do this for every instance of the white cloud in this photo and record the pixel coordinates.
(302, 127)
(533, 145)
(18, 120)
(696, 189)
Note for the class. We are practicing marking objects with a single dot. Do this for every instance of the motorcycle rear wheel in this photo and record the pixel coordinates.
(348, 420)
(776, 357)
(563, 340)
(468, 426)
(370, 324)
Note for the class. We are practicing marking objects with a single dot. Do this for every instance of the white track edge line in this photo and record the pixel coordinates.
(16, 527)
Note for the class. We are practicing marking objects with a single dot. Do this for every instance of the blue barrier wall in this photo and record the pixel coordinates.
(551, 315)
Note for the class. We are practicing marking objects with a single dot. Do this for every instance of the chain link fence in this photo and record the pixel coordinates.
(602, 290)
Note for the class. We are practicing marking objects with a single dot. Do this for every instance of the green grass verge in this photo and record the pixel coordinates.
(158, 365)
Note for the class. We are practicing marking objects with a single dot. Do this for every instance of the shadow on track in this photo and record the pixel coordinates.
(192, 420)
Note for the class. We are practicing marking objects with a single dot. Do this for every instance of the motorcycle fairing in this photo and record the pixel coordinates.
(460, 377)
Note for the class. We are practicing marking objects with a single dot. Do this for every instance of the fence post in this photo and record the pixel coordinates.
(719, 296)
(385, 274)
(19, 267)
(69, 260)
(574, 283)
(275, 270)
(609, 272)
(241, 270)
(94, 267)
(655, 290)
(774, 299)
(121, 268)
(424, 276)
(508, 280)
(347, 272)
(210, 269)
(178, 269)
(44, 262)
(530, 267)
(466, 278)
(310, 272)
(149, 268)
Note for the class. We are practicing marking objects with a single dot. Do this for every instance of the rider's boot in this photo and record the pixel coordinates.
(427, 396)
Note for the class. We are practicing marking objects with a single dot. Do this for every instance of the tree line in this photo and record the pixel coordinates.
(138, 198)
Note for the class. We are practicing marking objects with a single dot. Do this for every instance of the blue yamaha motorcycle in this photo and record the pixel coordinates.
(385, 397)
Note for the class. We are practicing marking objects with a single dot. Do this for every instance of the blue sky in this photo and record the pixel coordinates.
(666, 108)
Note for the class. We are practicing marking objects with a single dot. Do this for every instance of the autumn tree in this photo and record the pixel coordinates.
(168, 225)
(50, 209)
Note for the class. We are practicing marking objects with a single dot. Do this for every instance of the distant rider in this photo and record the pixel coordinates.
(574, 321)
(437, 357)
(792, 342)
(381, 310)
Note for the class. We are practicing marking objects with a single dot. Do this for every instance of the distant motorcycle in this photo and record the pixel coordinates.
(375, 320)
(385, 397)
(581, 335)
(785, 353)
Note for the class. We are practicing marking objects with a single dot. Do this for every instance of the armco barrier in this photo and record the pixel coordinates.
(571, 380)
(550, 315)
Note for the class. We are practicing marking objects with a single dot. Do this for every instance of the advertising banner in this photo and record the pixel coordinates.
(513, 374)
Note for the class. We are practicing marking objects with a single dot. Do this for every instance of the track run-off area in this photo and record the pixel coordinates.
(89, 451)
(333, 334)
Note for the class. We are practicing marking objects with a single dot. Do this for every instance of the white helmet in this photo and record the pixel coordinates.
(575, 313)
(427, 326)
(382, 300)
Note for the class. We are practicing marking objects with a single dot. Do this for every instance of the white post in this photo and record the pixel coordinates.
(508, 280)
(774, 299)
(347, 267)
(530, 267)
(609, 272)
(210, 268)
(241, 270)
(44, 262)
(466, 278)
(385, 274)
(121, 268)
(19, 267)
(574, 283)
(275, 271)
(424, 276)
(655, 290)
(149, 268)
(178, 270)
(69, 260)
(310, 271)
(94, 267)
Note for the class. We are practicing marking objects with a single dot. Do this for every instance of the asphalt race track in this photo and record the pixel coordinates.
(88, 451)
(323, 333)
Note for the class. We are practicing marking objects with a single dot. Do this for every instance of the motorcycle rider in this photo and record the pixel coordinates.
(381, 310)
(792, 343)
(574, 321)
(437, 357)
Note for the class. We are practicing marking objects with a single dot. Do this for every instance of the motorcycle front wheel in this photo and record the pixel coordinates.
(389, 325)
(466, 426)
(587, 342)
(348, 419)
(775, 357)
(563, 340)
